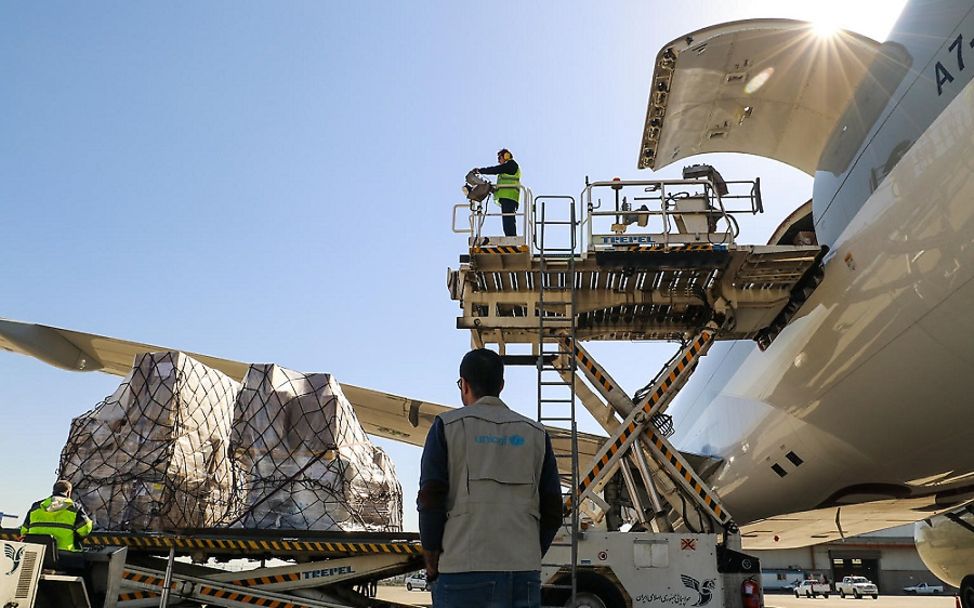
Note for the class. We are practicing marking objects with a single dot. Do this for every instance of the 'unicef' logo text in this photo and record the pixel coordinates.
(512, 440)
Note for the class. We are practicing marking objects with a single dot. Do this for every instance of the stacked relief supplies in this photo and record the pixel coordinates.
(180, 445)
(155, 454)
(305, 459)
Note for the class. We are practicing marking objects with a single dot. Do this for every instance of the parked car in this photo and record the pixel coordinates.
(924, 589)
(812, 588)
(416, 580)
(857, 586)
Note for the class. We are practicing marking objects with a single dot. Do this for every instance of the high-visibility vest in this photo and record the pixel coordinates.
(508, 179)
(59, 517)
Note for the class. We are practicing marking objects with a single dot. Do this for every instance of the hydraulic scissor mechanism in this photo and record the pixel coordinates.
(640, 430)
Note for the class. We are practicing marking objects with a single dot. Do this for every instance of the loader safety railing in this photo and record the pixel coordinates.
(476, 222)
(660, 213)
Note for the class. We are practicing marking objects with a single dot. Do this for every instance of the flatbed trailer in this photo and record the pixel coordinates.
(298, 568)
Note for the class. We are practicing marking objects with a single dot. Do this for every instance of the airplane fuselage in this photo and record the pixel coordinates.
(866, 394)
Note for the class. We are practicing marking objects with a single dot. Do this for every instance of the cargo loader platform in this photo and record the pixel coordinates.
(661, 271)
(657, 260)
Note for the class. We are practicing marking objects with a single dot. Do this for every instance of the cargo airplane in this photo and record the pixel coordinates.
(856, 417)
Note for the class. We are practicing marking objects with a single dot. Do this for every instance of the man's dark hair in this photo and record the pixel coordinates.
(62, 487)
(484, 372)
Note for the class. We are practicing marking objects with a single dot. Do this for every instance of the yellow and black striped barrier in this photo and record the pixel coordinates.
(688, 475)
(268, 580)
(145, 579)
(586, 362)
(206, 591)
(499, 249)
(676, 248)
(256, 581)
(691, 354)
(237, 544)
(136, 595)
(624, 439)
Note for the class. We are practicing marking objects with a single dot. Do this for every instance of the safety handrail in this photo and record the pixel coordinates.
(480, 211)
(665, 193)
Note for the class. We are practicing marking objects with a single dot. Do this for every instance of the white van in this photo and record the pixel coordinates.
(416, 580)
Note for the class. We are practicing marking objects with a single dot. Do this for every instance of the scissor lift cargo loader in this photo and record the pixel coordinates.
(661, 263)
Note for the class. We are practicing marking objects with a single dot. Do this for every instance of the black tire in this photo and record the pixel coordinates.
(856, 593)
(842, 593)
(588, 600)
(409, 586)
(796, 593)
(825, 595)
(593, 588)
(875, 596)
(967, 592)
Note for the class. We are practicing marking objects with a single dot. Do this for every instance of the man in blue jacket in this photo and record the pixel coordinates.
(489, 496)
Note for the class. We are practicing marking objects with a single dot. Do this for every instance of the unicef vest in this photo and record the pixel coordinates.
(495, 457)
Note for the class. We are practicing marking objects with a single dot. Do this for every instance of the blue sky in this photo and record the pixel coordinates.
(273, 182)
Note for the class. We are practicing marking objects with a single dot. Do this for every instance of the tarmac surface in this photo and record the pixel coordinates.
(422, 598)
(400, 595)
(884, 601)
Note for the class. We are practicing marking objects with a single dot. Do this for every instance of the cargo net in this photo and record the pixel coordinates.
(180, 445)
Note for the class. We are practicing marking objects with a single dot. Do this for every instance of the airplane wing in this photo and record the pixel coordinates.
(381, 414)
(770, 87)
(836, 523)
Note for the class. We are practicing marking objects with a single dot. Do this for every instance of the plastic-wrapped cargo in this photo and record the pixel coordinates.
(155, 454)
(305, 461)
(181, 445)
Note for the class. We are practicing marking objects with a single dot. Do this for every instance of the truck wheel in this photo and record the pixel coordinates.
(841, 593)
(967, 592)
(875, 596)
(409, 586)
(855, 592)
(825, 595)
(796, 594)
(588, 600)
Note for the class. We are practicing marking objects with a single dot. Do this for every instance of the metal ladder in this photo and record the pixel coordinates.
(556, 367)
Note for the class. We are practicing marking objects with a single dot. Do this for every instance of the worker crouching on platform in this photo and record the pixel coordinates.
(60, 517)
(489, 496)
(507, 193)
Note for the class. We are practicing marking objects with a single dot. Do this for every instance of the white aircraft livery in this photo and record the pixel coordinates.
(856, 417)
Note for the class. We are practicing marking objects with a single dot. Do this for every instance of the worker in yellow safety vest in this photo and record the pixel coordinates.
(60, 517)
(508, 174)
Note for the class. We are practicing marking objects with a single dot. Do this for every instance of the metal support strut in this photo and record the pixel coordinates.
(638, 425)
